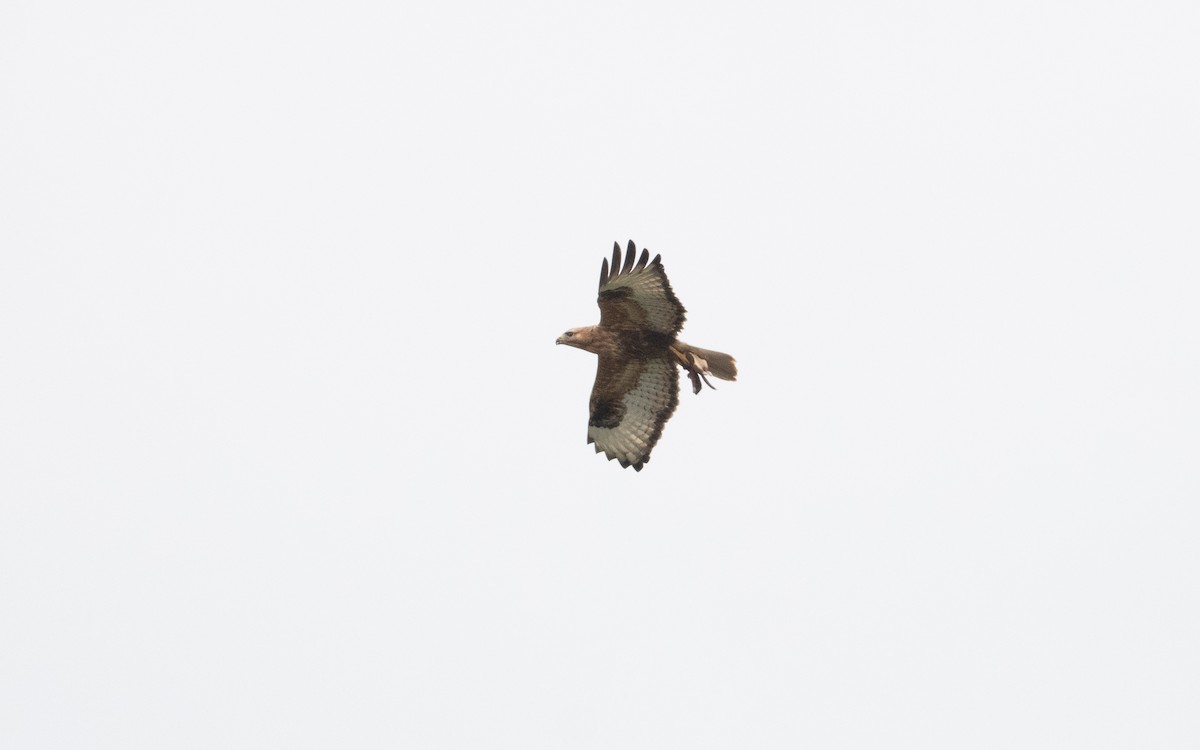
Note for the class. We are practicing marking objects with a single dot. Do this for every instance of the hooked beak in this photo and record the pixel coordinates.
(558, 340)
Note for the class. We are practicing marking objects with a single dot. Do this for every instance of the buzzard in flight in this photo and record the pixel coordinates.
(636, 389)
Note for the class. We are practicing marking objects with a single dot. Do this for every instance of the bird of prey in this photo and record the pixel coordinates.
(636, 388)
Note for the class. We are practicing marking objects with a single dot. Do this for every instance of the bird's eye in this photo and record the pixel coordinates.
(569, 334)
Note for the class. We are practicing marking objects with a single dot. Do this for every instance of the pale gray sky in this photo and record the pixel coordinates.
(288, 457)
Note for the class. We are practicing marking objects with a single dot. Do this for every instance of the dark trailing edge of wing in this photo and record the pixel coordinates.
(624, 464)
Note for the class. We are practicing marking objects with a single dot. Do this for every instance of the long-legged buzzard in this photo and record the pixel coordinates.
(636, 389)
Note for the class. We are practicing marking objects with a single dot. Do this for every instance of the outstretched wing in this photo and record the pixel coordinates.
(631, 402)
(638, 295)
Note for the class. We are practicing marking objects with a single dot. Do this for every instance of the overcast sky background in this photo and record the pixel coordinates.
(288, 457)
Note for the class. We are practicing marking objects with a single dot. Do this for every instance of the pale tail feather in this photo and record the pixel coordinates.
(720, 365)
(701, 362)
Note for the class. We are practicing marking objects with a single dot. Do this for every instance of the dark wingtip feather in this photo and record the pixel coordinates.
(638, 467)
(642, 260)
(616, 261)
(656, 261)
(604, 272)
(630, 254)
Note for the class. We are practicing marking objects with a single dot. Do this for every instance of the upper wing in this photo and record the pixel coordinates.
(638, 296)
(631, 402)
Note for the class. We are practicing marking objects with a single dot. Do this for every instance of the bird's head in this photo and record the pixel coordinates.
(577, 337)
